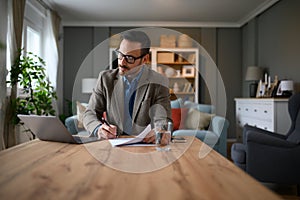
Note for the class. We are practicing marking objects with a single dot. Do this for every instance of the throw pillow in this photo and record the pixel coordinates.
(197, 120)
(201, 107)
(80, 110)
(178, 117)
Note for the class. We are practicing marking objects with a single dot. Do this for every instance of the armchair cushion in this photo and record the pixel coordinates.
(197, 120)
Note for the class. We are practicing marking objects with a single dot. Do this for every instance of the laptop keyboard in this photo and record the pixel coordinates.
(81, 139)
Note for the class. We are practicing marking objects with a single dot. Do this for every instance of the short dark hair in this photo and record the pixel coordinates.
(140, 37)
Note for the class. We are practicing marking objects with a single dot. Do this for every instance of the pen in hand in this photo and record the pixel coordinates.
(103, 121)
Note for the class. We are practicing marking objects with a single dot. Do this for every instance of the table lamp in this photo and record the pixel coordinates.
(88, 84)
(254, 73)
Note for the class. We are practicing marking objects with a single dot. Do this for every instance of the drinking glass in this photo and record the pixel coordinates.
(162, 130)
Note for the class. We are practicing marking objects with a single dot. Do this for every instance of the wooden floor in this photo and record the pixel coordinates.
(287, 192)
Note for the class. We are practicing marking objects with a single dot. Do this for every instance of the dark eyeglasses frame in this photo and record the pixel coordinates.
(128, 57)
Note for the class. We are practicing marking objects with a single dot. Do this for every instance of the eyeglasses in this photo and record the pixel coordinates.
(129, 59)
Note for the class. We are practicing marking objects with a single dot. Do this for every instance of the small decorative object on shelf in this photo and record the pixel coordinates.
(184, 41)
(176, 87)
(188, 71)
(170, 72)
(168, 41)
(160, 70)
(285, 88)
(188, 87)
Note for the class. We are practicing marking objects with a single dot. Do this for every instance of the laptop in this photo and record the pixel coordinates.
(50, 128)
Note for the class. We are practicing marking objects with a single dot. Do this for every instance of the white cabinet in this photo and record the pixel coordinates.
(267, 113)
(181, 66)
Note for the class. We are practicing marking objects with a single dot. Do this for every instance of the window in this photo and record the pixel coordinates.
(33, 27)
(33, 41)
(38, 37)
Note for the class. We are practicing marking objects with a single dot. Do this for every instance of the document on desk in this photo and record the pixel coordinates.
(130, 141)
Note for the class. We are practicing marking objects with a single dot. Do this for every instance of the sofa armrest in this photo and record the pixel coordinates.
(248, 128)
(219, 125)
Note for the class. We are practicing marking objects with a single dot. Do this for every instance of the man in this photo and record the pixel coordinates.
(132, 95)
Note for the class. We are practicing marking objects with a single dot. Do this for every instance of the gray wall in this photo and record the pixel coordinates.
(272, 41)
(78, 44)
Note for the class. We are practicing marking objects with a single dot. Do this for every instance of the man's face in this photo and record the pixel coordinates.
(133, 50)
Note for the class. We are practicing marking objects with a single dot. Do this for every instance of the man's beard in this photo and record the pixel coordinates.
(123, 73)
(130, 72)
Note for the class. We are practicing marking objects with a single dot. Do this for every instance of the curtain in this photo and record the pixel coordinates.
(3, 90)
(51, 53)
(50, 49)
(15, 21)
(57, 27)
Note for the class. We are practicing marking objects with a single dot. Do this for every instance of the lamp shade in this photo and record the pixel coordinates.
(88, 84)
(253, 73)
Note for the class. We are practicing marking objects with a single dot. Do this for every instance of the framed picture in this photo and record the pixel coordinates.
(188, 71)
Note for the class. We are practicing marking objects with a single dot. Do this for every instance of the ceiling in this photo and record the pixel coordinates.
(183, 13)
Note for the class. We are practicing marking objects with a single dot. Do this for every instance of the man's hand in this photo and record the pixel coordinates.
(150, 137)
(107, 132)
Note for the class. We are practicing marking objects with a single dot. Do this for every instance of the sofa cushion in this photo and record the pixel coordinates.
(197, 120)
(200, 107)
(209, 137)
(81, 107)
(178, 117)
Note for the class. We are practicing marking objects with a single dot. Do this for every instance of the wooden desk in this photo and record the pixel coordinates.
(50, 170)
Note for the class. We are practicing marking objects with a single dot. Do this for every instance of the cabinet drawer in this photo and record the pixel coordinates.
(266, 124)
(256, 110)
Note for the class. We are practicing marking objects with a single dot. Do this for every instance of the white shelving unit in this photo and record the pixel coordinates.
(170, 61)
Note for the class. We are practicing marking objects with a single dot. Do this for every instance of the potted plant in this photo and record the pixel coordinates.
(28, 73)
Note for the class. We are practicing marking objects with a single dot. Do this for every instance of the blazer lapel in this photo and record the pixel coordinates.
(117, 102)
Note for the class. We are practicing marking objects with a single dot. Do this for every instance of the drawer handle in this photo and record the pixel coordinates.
(266, 128)
(265, 111)
(246, 109)
(255, 110)
(239, 108)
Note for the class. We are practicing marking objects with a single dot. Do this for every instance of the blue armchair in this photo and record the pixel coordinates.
(270, 157)
(215, 136)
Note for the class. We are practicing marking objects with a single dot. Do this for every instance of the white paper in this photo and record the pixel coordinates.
(137, 139)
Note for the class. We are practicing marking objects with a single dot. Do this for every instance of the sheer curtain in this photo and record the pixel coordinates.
(50, 49)
(51, 52)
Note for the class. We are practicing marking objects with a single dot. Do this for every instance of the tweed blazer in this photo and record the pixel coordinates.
(152, 101)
